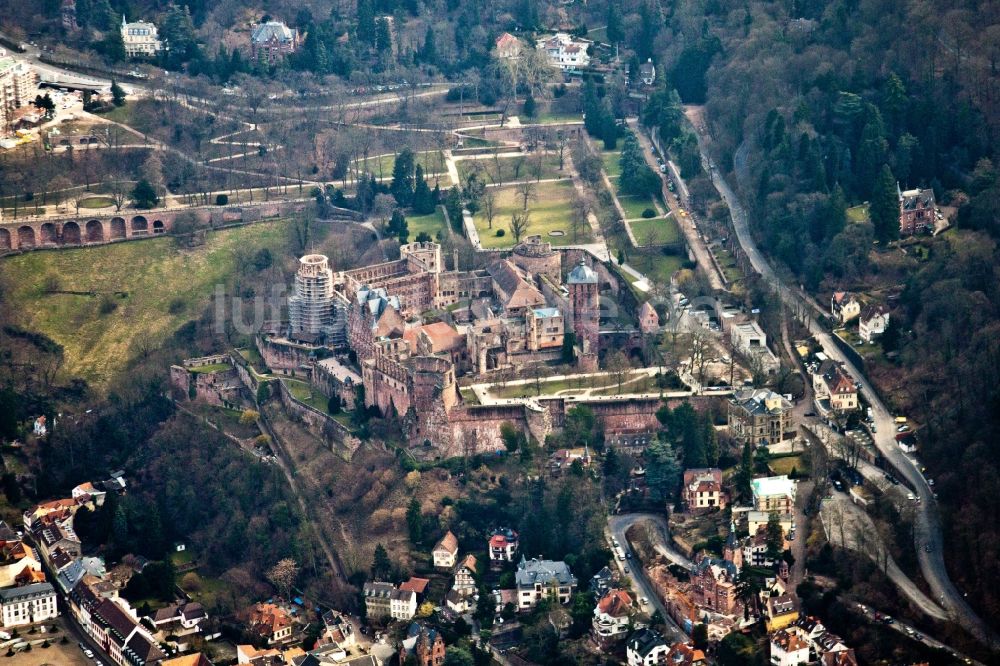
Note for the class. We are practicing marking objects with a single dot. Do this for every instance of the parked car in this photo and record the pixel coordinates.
(644, 601)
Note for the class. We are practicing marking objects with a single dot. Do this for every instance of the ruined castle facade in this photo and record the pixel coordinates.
(411, 327)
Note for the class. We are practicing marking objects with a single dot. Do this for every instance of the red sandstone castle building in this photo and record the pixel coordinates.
(517, 311)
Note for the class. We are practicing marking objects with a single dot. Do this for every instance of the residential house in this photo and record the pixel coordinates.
(18, 561)
(564, 51)
(416, 585)
(755, 549)
(789, 647)
(757, 519)
(465, 576)
(612, 617)
(503, 545)
(703, 489)
(602, 582)
(917, 210)
(88, 492)
(424, 644)
(781, 611)
(873, 321)
(49, 536)
(248, 654)
(271, 622)
(140, 39)
(402, 604)
(834, 389)
(759, 416)
(844, 306)
(563, 459)
(647, 73)
(713, 586)
(508, 46)
(330, 655)
(543, 579)
(773, 494)
(378, 598)
(646, 648)
(115, 630)
(272, 41)
(445, 553)
(841, 658)
(338, 630)
(29, 604)
(750, 340)
(179, 619)
(58, 509)
(457, 602)
(685, 654)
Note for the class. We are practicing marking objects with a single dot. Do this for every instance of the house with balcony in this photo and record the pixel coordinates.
(789, 647)
(703, 489)
(543, 579)
(565, 51)
(502, 545)
(612, 617)
(834, 389)
(873, 321)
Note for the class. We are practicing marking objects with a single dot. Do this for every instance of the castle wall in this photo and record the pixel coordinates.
(338, 437)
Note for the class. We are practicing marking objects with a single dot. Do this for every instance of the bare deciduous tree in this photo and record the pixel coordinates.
(518, 225)
(489, 204)
(527, 192)
(283, 574)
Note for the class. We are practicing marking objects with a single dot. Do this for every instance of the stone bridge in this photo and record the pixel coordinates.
(98, 229)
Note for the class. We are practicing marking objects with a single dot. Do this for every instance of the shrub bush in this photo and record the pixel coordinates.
(221, 199)
(501, 233)
(649, 213)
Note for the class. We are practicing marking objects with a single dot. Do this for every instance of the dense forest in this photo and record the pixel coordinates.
(817, 106)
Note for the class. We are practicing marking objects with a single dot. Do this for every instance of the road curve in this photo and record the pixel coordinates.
(617, 526)
(928, 528)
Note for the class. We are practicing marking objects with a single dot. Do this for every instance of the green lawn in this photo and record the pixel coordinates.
(611, 159)
(655, 265)
(507, 169)
(552, 117)
(858, 213)
(214, 367)
(433, 224)
(432, 162)
(645, 384)
(656, 231)
(549, 387)
(634, 205)
(96, 202)
(550, 211)
(303, 392)
(785, 465)
(153, 273)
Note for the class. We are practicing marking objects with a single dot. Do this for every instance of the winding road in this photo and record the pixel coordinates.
(928, 541)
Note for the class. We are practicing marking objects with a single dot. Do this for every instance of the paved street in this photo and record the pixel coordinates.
(617, 525)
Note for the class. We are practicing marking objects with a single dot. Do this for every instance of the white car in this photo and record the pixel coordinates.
(644, 601)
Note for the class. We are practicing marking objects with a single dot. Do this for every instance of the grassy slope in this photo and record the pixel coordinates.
(432, 224)
(153, 272)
